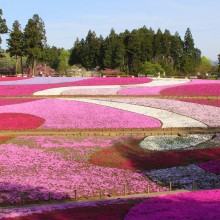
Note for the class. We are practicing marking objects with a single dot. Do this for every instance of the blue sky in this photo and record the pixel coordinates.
(68, 19)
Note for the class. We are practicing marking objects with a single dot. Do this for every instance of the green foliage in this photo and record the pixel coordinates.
(15, 43)
(34, 41)
(205, 65)
(127, 51)
(149, 68)
(63, 62)
(114, 51)
(3, 26)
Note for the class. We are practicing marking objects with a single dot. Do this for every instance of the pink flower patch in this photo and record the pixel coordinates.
(212, 89)
(19, 121)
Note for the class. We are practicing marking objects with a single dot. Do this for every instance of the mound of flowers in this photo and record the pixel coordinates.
(173, 142)
(212, 166)
(191, 206)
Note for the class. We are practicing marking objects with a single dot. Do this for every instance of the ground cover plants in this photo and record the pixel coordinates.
(61, 168)
(132, 156)
(36, 170)
(209, 115)
(193, 206)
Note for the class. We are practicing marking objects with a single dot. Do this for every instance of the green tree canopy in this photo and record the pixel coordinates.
(3, 26)
(205, 65)
(15, 43)
(34, 41)
(149, 68)
(63, 61)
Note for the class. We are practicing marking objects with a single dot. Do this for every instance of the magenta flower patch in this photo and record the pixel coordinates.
(193, 90)
(19, 121)
(185, 206)
(212, 166)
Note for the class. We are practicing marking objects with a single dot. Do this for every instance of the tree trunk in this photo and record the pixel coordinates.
(21, 66)
(16, 65)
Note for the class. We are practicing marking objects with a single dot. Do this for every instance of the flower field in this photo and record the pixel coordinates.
(192, 206)
(36, 166)
(59, 167)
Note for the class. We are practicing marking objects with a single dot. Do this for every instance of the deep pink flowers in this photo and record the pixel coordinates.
(193, 90)
(19, 121)
(200, 205)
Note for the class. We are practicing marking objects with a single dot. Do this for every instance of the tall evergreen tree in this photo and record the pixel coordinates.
(158, 48)
(188, 43)
(113, 51)
(147, 37)
(191, 55)
(176, 50)
(76, 53)
(34, 41)
(134, 52)
(91, 48)
(15, 43)
(166, 46)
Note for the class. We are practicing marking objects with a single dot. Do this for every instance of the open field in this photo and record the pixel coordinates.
(63, 139)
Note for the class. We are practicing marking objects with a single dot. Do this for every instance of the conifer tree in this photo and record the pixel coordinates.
(3, 26)
(15, 43)
(34, 41)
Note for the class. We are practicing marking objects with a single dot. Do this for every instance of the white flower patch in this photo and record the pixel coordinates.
(168, 119)
(166, 82)
(173, 142)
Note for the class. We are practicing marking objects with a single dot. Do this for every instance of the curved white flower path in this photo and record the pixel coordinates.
(107, 90)
(168, 119)
(208, 115)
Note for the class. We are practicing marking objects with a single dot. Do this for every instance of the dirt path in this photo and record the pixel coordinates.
(111, 132)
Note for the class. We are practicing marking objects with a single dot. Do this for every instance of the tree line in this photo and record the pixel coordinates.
(132, 51)
(140, 51)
